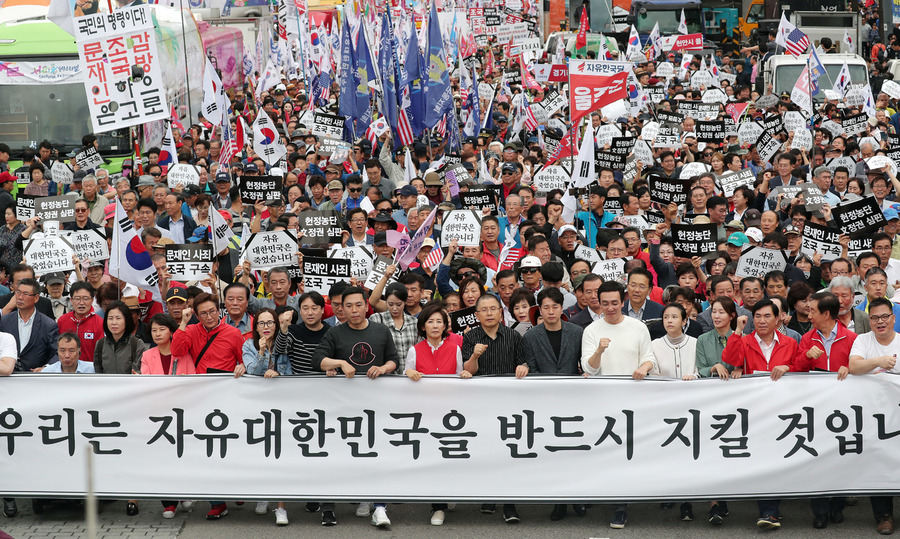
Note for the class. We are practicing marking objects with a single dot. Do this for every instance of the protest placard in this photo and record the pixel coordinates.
(550, 178)
(25, 206)
(452, 174)
(583, 252)
(821, 239)
(637, 221)
(182, 175)
(711, 131)
(319, 274)
(862, 215)
(320, 227)
(332, 146)
(749, 132)
(668, 190)
(758, 261)
(553, 101)
(265, 188)
(266, 250)
(479, 199)
(608, 160)
(379, 265)
(109, 46)
(859, 244)
(642, 152)
(811, 195)
(695, 168)
(90, 245)
(794, 121)
(49, 254)
(773, 124)
(89, 158)
(855, 124)
(668, 136)
(360, 257)
(189, 262)
(767, 146)
(328, 125)
(59, 208)
(462, 319)
(62, 173)
(611, 269)
(464, 226)
(732, 180)
(694, 240)
(622, 145)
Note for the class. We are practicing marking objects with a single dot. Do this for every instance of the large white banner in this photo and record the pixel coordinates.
(109, 45)
(444, 438)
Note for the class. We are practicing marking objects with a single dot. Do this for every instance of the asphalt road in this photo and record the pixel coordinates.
(412, 520)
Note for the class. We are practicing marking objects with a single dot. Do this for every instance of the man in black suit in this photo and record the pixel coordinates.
(35, 333)
(7, 301)
(640, 283)
(592, 310)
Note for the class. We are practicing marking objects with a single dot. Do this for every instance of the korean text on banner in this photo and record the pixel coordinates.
(123, 78)
(803, 435)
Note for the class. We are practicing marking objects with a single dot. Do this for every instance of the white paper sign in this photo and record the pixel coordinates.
(552, 177)
(62, 173)
(110, 45)
(749, 132)
(49, 254)
(89, 245)
(182, 174)
(266, 250)
(360, 257)
(583, 252)
(463, 226)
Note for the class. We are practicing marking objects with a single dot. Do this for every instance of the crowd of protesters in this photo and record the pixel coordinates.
(540, 306)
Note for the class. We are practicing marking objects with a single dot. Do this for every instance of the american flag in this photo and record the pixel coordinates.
(404, 129)
(531, 123)
(434, 257)
(230, 146)
(441, 127)
(512, 257)
(796, 43)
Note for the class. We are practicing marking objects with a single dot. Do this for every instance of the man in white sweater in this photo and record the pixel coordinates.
(616, 344)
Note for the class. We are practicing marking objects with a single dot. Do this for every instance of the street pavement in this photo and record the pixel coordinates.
(412, 520)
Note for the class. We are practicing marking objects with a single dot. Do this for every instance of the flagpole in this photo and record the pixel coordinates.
(187, 74)
(812, 112)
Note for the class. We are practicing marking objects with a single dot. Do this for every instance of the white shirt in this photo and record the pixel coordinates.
(25, 328)
(893, 270)
(629, 347)
(867, 346)
(8, 346)
(767, 348)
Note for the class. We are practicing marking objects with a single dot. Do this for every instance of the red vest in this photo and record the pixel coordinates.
(441, 362)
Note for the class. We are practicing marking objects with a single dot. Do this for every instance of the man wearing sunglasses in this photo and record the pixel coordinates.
(82, 221)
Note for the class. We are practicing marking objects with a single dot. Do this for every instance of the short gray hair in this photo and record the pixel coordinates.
(89, 178)
(841, 281)
(820, 169)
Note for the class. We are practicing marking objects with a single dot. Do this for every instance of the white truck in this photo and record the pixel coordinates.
(782, 71)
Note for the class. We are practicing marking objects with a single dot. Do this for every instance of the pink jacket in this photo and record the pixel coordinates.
(152, 364)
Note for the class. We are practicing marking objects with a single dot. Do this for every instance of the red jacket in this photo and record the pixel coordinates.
(840, 350)
(89, 330)
(743, 351)
(223, 354)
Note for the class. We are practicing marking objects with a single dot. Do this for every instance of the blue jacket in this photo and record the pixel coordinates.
(258, 365)
(40, 350)
(592, 223)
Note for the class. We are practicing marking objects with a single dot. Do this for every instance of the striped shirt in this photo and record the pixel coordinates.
(299, 343)
(404, 338)
(503, 354)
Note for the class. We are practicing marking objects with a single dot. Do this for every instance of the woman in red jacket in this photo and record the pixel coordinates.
(764, 350)
(437, 353)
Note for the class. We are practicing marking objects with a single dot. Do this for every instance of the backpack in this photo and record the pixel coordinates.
(879, 52)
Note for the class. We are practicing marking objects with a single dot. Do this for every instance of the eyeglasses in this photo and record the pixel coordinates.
(208, 314)
(488, 309)
(20, 293)
(266, 324)
(882, 318)
(81, 210)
